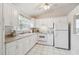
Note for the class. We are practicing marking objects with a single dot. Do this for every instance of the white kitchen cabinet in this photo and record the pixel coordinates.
(21, 46)
(0, 29)
(11, 48)
(7, 14)
(50, 39)
(61, 39)
(25, 44)
(2, 44)
(32, 41)
(10, 15)
(35, 38)
(18, 47)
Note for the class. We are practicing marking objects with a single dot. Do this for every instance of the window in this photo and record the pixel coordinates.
(24, 22)
(77, 24)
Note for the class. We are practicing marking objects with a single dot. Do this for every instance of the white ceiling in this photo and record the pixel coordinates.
(57, 9)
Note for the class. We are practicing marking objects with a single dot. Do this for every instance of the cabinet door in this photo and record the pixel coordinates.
(26, 45)
(14, 17)
(61, 39)
(2, 44)
(11, 48)
(31, 41)
(50, 39)
(10, 15)
(7, 15)
(35, 38)
(20, 44)
(0, 29)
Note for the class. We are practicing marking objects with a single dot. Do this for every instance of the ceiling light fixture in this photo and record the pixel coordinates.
(45, 6)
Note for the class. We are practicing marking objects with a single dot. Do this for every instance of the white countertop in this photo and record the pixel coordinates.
(20, 36)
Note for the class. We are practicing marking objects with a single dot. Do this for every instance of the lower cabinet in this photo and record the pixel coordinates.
(21, 46)
(50, 39)
(11, 48)
(33, 40)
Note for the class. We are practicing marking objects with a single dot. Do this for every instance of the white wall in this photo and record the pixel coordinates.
(74, 37)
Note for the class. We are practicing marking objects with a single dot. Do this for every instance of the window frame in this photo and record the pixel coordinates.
(20, 22)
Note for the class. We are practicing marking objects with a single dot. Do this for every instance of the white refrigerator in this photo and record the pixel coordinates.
(61, 34)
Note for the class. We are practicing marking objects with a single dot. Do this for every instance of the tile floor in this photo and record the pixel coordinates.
(47, 50)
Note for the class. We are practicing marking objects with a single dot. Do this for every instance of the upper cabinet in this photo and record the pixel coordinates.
(0, 15)
(1, 29)
(10, 15)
